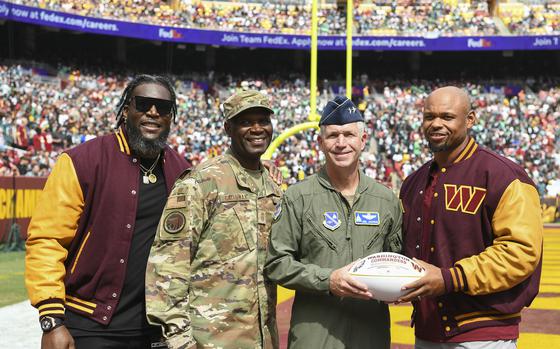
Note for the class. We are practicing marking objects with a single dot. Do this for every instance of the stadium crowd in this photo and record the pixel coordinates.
(531, 19)
(41, 115)
(403, 17)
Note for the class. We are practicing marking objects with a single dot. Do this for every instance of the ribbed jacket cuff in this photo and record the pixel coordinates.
(52, 307)
(455, 280)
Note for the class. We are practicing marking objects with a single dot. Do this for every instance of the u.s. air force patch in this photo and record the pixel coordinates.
(366, 218)
(174, 222)
(331, 220)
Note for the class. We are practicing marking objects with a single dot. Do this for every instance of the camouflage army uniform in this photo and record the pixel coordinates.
(317, 231)
(204, 279)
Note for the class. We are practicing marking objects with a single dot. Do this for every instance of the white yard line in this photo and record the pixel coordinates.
(19, 327)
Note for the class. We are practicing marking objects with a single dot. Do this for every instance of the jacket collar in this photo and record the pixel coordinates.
(467, 152)
(122, 140)
(244, 180)
(325, 181)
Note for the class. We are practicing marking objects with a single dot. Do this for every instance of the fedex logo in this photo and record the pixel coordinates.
(480, 43)
(169, 34)
(463, 198)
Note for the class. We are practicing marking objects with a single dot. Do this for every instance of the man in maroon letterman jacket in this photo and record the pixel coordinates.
(472, 218)
(91, 233)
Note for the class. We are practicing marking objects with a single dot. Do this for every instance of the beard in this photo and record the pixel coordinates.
(436, 148)
(145, 148)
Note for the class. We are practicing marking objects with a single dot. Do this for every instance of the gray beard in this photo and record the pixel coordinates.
(145, 148)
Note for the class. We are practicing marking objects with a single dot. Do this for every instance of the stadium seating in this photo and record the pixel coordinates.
(403, 18)
(42, 114)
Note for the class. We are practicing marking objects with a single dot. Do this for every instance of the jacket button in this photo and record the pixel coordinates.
(114, 295)
(133, 192)
(436, 195)
(432, 222)
(432, 249)
(440, 304)
(135, 160)
(417, 247)
(447, 328)
(109, 307)
(418, 219)
(421, 192)
(443, 170)
(104, 318)
(122, 261)
(129, 226)
(444, 318)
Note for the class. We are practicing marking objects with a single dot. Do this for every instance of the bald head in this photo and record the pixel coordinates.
(453, 96)
(447, 119)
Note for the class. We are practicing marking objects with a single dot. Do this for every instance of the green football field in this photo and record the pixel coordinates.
(12, 289)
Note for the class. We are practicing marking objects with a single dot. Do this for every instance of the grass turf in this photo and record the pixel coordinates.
(12, 289)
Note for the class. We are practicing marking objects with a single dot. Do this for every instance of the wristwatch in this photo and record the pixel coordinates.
(49, 323)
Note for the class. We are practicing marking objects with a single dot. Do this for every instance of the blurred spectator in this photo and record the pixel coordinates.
(531, 19)
(402, 17)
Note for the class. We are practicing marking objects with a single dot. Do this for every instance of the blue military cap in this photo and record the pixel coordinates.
(340, 111)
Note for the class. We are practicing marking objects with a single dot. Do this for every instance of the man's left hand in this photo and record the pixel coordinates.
(273, 171)
(429, 285)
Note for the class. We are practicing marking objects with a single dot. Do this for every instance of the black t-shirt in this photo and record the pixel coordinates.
(129, 318)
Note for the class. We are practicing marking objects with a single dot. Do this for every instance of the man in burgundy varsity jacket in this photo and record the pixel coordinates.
(91, 233)
(472, 218)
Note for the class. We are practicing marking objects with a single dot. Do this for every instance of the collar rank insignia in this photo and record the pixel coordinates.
(277, 211)
(366, 218)
(331, 220)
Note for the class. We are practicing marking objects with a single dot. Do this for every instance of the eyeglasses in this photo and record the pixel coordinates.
(143, 104)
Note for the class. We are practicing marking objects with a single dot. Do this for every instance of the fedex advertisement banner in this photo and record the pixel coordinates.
(33, 15)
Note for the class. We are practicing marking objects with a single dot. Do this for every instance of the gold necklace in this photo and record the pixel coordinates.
(149, 176)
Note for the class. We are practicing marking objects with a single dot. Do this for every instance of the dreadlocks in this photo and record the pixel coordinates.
(145, 79)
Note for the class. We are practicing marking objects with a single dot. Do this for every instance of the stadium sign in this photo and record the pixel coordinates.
(34, 15)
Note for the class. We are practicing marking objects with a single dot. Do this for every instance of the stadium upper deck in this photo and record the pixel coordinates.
(394, 18)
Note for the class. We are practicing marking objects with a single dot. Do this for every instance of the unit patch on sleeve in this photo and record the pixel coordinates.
(174, 222)
(366, 218)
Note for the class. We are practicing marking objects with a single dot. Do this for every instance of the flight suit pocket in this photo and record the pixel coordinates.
(374, 243)
(320, 234)
(231, 229)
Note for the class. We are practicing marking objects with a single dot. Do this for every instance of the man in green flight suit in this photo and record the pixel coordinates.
(324, 224)
(204, 279)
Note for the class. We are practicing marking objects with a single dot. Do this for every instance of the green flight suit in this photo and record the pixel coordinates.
(309, 241)
(204, 277)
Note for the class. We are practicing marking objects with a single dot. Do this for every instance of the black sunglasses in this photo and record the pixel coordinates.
(143, 104)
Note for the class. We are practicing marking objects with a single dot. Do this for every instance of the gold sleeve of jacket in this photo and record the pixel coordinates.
(517, 247)
(51, 230)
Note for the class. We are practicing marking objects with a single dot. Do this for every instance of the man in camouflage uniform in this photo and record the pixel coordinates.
(325, 223)
(204, 280)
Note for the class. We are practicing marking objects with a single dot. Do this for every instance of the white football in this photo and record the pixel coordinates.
(386, 273)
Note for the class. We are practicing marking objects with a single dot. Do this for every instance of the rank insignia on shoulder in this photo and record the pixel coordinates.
(331, 220)
(277, 211)
(366, 218)
(174, 222)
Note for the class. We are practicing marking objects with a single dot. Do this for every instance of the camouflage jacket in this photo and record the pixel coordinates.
(204, 279)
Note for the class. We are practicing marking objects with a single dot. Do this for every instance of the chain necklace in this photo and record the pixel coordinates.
(149, 176)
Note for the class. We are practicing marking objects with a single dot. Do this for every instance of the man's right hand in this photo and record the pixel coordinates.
(343, 285)
(59, 338)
